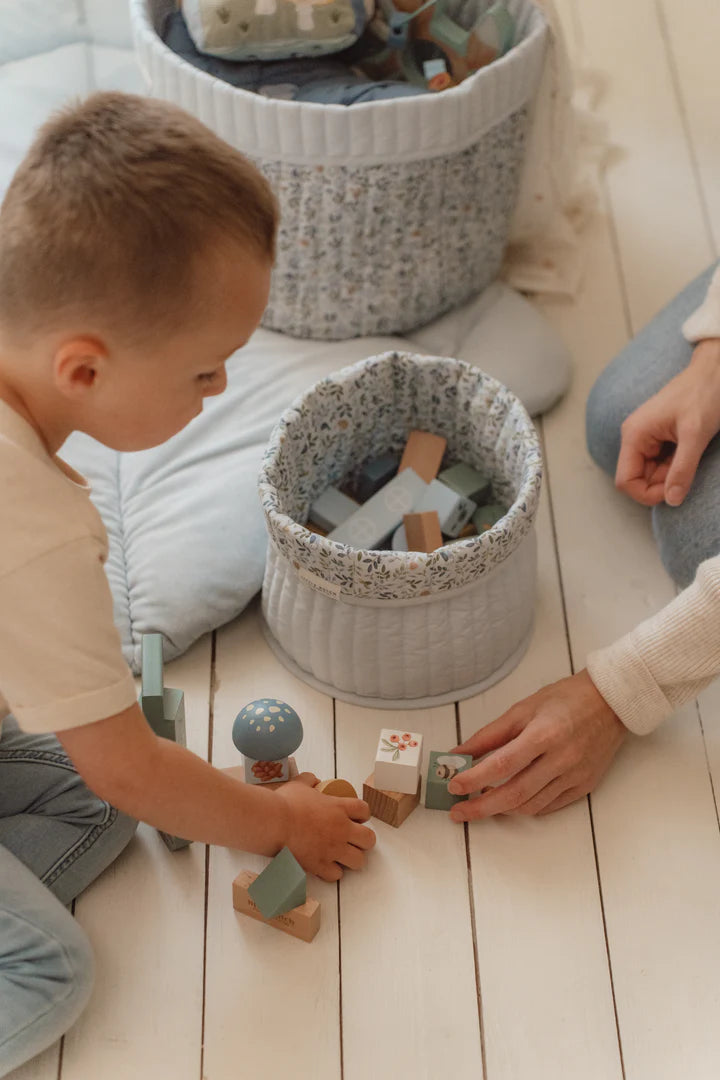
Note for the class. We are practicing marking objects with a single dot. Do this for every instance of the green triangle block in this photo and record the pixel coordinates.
(281, 886)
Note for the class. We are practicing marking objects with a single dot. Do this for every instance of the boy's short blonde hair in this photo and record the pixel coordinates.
(111, 211)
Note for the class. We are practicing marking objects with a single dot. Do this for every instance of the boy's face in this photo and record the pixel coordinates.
(148, 393)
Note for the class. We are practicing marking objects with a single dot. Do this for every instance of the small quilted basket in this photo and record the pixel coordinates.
(393, 628)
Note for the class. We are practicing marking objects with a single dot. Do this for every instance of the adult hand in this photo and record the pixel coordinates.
(323, 831)
(549, 750)
(664, 439)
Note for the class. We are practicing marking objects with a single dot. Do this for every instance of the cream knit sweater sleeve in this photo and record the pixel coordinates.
(669, 658)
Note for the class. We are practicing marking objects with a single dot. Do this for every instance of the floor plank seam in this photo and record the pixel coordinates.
(339, 920)
(556, 546)
(707, 760)
(685, 122)
(608, 215)
(605, 934)
(206, 902)
(473, 923)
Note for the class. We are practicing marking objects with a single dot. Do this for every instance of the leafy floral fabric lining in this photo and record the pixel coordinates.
(369, 408)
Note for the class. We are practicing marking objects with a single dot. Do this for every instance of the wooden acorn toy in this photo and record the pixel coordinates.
(267, 732)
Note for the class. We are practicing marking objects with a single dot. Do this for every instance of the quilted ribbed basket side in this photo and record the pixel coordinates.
(392, 212)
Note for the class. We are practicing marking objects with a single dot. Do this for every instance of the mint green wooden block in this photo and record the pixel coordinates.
(466, 481)
(442, 766)
(164, 709)
(281, 886)
(152, 698)
(486, 516)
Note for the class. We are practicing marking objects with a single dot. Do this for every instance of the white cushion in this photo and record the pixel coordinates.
(28, 27)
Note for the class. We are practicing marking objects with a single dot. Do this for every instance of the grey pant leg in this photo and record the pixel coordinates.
(690, 533)
(49, 819)
(46, 966)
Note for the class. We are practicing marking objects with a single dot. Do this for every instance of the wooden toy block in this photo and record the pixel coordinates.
(341, 789)
(422, 531)
(466, 481)
(237, 772)
(313, 528)
(266, 732)
(380, 515)
(423, 453)
(398, 761)
(376, 474)
(442, 766)
(280, 887)
(302, 922)
(453, 510)
(392, 807)
(486, 516)
(164, 710)
(332, 508)
(399, 539)
(151, 697)
(467, 531)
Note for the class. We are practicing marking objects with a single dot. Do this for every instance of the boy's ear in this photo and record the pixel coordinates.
(77, 363)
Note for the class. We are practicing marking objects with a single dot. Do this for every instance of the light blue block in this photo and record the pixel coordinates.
(332, 508)
(453, 510)
(466, 481)
(379, 516)
(281, 887)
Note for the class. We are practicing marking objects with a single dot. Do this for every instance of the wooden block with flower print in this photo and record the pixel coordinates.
(398, 761)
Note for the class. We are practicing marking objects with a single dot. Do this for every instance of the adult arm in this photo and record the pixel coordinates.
(555, 746)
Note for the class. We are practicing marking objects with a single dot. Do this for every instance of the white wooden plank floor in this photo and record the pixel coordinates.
(582, 946)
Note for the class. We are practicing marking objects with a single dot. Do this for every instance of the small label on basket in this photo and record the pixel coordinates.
(325, 587)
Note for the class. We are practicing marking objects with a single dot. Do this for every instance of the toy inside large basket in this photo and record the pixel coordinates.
(394, 628)
(392, 211)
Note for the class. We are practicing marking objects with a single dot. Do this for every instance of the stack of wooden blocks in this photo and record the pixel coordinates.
(406, 502)
(266, 731)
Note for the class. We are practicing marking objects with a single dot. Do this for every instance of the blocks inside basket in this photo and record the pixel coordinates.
(371, 508)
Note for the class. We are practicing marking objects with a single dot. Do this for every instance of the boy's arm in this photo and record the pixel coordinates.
(167, 786)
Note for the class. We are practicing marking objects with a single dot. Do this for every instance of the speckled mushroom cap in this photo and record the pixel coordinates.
(267, 729)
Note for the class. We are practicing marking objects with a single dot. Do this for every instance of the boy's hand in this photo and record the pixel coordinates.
(550, 749)
(323, 832)
(663, 440)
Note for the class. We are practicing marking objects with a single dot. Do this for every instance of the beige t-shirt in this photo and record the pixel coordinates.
(61, 662)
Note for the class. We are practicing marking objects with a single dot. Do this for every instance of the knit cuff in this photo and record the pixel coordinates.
(705, 321)
(625, 681)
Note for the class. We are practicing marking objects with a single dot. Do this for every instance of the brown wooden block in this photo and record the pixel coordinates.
(238, 773)
(341, 789)
(423, 454)
(313, 528)
(301, 922)
(422, 531)
(469, 530)
(392, 807)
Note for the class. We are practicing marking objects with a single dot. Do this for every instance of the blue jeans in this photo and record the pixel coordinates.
(55, 838)
(690, 533)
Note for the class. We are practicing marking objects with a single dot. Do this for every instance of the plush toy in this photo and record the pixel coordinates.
(417, 40)
(275, 29)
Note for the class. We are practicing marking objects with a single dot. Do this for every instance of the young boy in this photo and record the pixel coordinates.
(135, 257)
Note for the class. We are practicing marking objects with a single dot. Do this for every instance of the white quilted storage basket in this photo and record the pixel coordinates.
(392, 212)
(389, 628)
